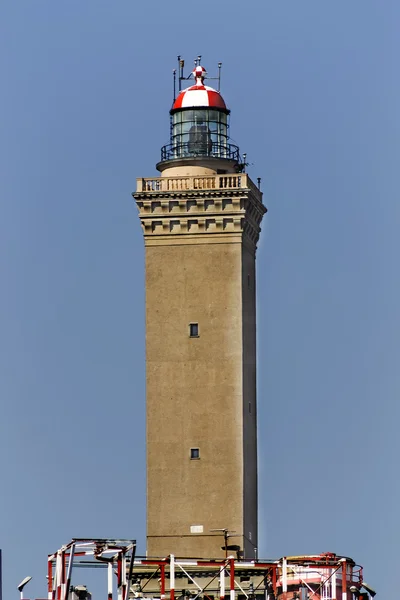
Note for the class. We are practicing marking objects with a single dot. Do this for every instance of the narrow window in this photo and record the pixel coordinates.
(194, 329)
(194, 453)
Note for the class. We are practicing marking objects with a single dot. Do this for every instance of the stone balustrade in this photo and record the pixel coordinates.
(206, 182)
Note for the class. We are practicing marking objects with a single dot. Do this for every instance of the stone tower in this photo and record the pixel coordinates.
(201, 222)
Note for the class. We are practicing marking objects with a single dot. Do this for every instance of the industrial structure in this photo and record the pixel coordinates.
(201, 223)
(319, 577)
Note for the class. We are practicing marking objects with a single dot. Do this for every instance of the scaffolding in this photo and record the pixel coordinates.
(311, 577)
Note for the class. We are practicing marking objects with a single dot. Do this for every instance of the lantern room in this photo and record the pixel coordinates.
(199, 127)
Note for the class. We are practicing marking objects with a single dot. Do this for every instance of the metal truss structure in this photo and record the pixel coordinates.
(313, 577)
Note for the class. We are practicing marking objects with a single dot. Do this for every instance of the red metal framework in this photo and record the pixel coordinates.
(311, 577)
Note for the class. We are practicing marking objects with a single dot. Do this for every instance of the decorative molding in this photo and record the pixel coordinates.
(172, 208)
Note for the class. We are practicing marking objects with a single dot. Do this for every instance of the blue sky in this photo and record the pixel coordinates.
(314, 91)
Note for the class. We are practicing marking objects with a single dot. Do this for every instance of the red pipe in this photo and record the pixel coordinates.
(344, 580)
(162, 568)
(49, 578)
(232, 577)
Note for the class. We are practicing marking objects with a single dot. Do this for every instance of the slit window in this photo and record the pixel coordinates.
(194, 453)
(193, 329)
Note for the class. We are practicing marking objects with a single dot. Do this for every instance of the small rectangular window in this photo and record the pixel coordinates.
(194, 453)
(194, 329)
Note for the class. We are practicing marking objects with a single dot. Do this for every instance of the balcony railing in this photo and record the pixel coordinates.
(194, 149)
(205, 182)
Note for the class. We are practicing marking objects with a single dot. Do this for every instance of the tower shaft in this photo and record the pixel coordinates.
(200, 236)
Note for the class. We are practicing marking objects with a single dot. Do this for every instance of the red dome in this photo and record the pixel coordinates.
(199, 94)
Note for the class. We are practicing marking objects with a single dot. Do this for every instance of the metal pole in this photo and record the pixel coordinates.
(69, 571)
(232, 578)
(49, 579)
(274, 579)
(172, 577)
(222, 582)
(344, 582)
(119, 577)
(131, 563)
(284, 575)
(58, 576)
(334, 585)
(162, 569)
(63, 574)
(109, 581)
(123, 575)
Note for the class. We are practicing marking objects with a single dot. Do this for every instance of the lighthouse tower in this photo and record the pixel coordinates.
(201, 223)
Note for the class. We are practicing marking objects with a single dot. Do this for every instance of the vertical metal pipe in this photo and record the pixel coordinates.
(162, 591)
(123, 578)
(63, 574)
(274, 579)
(172, 577)
(58, 575)
(54, 580)
(69, 571)
(333, 579)
(232, 578)
(284, 575)
(109, 581)
(222, 582)
(119, 577)
(131, 564)
(344, 580)
(49, 578)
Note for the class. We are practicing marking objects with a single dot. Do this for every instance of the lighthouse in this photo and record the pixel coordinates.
(201, 223)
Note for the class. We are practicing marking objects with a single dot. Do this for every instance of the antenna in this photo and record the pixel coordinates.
(197, 63)
(181, 64)
(174, 75)
(227, 534)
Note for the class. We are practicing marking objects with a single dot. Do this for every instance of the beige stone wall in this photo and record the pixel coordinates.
(194, 392)
(200, 235)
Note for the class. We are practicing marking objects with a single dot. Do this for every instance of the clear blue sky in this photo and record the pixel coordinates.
(315, 93)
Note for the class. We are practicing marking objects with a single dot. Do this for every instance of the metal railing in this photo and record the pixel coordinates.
(193, 149)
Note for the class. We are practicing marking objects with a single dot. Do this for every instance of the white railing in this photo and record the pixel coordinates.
(206, 182)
